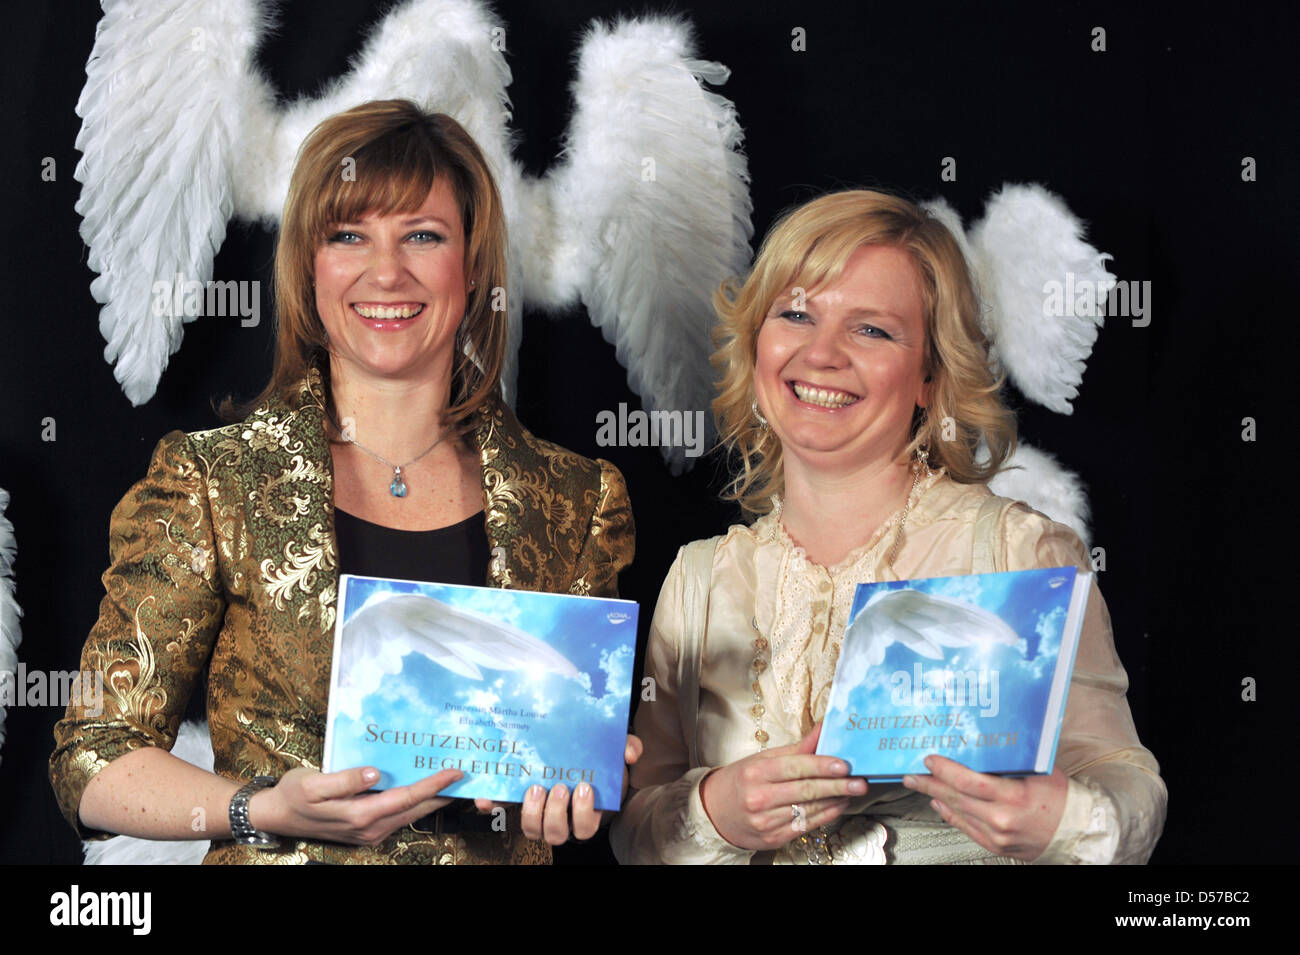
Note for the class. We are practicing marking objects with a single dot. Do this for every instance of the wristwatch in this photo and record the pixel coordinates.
(241, 831)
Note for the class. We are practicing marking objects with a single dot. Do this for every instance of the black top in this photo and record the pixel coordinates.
(457, 554)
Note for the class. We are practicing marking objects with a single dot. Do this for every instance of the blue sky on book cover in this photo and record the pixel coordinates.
(992, 689)
(548, 717)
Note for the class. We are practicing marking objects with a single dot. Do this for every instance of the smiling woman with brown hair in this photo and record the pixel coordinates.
(382, 447)
(855, 391)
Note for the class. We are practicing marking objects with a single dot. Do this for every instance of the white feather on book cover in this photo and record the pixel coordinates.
(513, 688)
(975, 668)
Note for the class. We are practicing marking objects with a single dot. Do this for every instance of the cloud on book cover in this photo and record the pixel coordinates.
(407, 690)
(925, 623)
(391, 626)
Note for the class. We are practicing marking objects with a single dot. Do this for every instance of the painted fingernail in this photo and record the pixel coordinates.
(840, 767)
(535, 794)
(369, 775)
(583, 791)
(560, 792)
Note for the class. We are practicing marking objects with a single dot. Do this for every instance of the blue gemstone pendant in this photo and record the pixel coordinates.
(398, 487)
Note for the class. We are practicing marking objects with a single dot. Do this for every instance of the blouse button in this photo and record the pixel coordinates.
(824, 586)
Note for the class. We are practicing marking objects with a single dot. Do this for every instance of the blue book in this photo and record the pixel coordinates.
(974, 668)
(513, 688)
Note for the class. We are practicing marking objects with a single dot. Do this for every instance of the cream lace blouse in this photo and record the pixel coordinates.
(1115, 807)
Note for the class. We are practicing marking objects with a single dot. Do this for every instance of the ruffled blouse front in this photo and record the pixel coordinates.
(810, 610)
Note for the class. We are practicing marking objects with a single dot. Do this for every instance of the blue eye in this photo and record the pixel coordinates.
(343, 237)
(426, 235)
(871, 331)
(795, 316)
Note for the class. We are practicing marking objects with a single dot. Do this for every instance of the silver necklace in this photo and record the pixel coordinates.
(397, 487)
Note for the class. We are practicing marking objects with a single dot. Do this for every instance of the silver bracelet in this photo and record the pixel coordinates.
(241, 830)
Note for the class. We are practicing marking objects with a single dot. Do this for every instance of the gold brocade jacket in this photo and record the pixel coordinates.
(224, 559)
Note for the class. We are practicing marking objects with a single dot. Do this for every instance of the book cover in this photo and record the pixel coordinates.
(975, 668)
(511, 687)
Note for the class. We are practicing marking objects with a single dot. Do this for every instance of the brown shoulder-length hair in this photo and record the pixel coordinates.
(383, 157)
(808, 248)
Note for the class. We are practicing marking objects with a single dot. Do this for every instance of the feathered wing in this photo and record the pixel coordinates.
(925, 623)
(10, 633)
(646, 216)
(180, 132)
(650, 209)
(945, 213)
(166, 88)
(381, 633)
(1028, 238)
(1035, 477)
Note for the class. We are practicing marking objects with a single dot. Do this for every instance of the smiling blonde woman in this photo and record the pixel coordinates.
(855, 392)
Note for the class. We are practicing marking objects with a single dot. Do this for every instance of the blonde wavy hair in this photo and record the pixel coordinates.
(396, 152)
(808, 248)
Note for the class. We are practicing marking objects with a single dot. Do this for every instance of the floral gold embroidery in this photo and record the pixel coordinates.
(276, 502)
(453, 850)
(273, 745)
(270, 433)
(499, 570)
(187, 631)
(326, 599)
(131, 681)
(300, 568)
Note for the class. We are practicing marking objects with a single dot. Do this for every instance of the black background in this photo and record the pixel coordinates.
(1144, 141)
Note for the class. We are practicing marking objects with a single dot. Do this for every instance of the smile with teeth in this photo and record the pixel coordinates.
(823, 397)
(388, 311)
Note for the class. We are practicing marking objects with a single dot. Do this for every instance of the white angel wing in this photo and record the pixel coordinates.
(651, 209)
(1035, 477)
(647, 215)
(166, 164)
(10, 633)
(166, 86)
(941, 210)
(384, 631)
(439, 54)
(925, 623)
(1027, 238)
